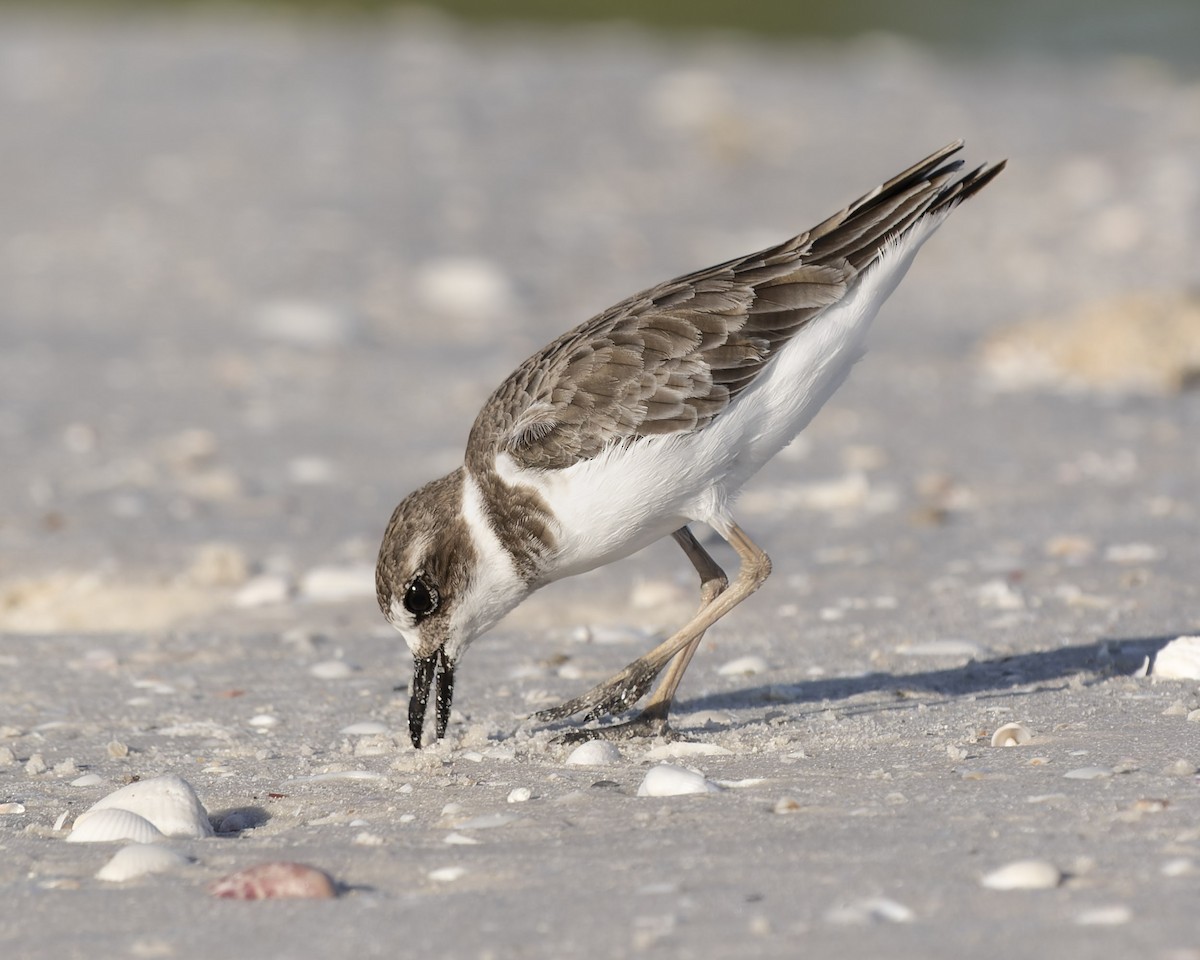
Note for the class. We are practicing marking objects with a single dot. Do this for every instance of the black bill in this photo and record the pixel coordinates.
(425, 670)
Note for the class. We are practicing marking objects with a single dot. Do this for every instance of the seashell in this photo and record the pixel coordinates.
(1012, 735)
(668, 780)
(447, 874)
(275, 880)
(263, 720)
(594, 753)
(744, 667)
(871, 910)
(519, 794)
(331, 670)
(11, 808)
(1178, 660)
(1110, 916)
(140, 859)
(364, 729)
(168, 802)
(460, 839)
(109, 824)
(1023, 875)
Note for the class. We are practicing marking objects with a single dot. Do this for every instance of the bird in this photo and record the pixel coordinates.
(638, 423)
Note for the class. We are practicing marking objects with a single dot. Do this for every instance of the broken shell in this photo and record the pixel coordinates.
(668, 780)
(168, 802)
(140, 859)
(105, 826)
(1012, 735)
(277, 880)
(1023, 875)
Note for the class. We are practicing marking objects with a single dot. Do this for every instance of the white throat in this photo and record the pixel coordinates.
(494, 587)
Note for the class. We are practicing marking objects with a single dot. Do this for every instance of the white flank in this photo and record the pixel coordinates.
(628, 497)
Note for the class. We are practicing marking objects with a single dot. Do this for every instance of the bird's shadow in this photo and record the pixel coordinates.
(999, 676)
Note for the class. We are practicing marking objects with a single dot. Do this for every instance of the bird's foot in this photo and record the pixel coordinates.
(645, 725)
(615, 695)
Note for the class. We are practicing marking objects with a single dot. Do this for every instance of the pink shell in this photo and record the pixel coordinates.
(278, 880)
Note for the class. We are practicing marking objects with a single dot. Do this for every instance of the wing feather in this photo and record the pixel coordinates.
(673, 357)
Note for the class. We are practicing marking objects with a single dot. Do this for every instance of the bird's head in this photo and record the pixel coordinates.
(441, 583)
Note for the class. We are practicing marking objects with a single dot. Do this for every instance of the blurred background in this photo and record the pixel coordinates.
(1081, 28)
(261, 263)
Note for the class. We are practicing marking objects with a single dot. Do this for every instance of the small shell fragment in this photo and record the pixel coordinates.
(365, 728)
(594, 753)
(1023, 875)
(331, 670)
(110, 824)
(668, 780)
(140, 859)
(168, 802)
(1012, 735)
(447, 874)
(275, 880)
(871, 910)
(519, 794)
(744, 667)
(1110, 916)
(11, 808)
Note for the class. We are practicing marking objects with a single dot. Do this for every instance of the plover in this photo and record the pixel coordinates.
(646, 418)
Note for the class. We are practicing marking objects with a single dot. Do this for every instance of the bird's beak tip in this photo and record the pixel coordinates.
(437, 666)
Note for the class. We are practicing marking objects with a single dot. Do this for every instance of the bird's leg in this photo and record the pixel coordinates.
(652, 720)
(627, 687)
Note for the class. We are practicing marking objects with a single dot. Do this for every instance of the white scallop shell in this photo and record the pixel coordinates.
(168, 802)
(668, 780)
(140, 859)
(1012, 735)
(105, 826)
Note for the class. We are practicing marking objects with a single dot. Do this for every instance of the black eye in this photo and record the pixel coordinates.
(420, 599)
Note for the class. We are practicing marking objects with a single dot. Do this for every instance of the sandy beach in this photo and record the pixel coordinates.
(258, 275)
